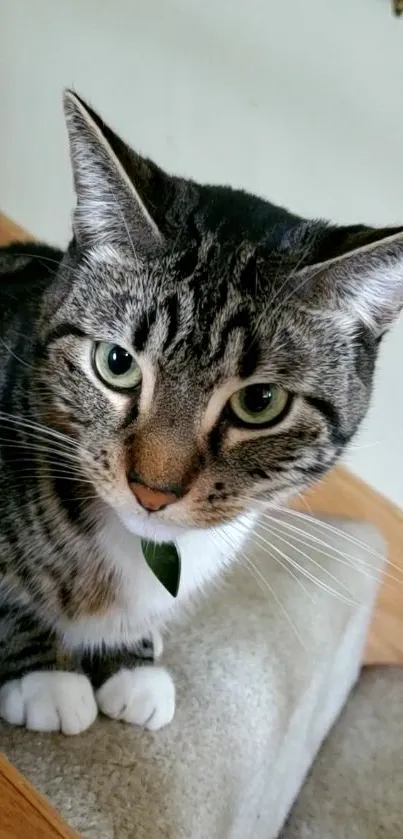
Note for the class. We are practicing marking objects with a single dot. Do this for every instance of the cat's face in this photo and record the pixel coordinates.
(203, 347)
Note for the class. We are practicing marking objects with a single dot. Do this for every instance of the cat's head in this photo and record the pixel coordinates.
(203, 346)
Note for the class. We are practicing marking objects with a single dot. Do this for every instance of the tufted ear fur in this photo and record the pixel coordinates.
(111, 182)
(357, 273)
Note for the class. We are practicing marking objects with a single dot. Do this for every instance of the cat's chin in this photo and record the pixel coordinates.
(148, 527)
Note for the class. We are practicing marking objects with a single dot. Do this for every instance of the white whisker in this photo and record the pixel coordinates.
(14, 355)
(278, 561)
(304, 571)
(39, 447)
(270, 588)
(265, 507)
(339, 556)
(260, 579)
(29, 425)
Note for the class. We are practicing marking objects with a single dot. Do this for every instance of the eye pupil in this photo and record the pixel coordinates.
(256, 398)
(259, 405)
(115, 366)
(119, 361)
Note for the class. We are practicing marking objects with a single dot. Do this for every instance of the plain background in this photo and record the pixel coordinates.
(301, 102)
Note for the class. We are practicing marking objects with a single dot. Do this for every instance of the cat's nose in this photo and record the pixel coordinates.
(152, 499)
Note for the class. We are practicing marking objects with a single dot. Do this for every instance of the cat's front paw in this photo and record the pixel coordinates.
(143, 696)
(49, 701)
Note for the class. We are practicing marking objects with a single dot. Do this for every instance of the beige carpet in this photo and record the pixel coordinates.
(257, 693)
(253, 705)
(355, 789)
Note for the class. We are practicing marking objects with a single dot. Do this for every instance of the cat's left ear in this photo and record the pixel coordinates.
(357, 273)
(112, 184)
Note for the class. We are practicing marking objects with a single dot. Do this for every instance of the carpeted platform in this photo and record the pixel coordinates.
(354, 791)
(355, 788)
(256, 698)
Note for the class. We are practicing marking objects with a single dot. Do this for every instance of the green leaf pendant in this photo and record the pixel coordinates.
(165, 563)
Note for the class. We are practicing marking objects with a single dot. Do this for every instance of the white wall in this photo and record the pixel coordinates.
(301, 102)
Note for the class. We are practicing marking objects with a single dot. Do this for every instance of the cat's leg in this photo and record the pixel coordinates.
(151, 647)
(33, 692)
(129, 687)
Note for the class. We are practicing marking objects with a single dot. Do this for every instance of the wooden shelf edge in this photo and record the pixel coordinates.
(25, 812)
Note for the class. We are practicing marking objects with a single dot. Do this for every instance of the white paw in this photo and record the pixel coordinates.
(144, 696)
(49, 701)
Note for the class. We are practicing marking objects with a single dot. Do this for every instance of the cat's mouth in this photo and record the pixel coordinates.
(148, 526)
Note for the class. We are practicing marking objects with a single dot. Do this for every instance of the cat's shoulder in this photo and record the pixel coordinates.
(28, 262)
(26, 270)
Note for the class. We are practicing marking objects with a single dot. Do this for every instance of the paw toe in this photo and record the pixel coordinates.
(49, 701)
(144, 696)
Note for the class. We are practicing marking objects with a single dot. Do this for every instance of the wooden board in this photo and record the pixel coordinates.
(11, 232)
(342, 494)
(24, 814)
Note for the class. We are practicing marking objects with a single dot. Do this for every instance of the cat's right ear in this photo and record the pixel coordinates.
(356, 272)
(111, 184)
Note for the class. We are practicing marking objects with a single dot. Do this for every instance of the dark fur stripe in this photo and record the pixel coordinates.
(63, 330)
(71, 495)
(171, 307)
(332, 418)
(237, 321)
(250, 356)
(146, 322)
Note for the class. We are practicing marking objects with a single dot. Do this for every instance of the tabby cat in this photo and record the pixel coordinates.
(194, 349)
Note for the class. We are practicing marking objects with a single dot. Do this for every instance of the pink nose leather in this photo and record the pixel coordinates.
(152, 499)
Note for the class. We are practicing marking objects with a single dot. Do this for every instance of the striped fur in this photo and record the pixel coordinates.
(210, 289)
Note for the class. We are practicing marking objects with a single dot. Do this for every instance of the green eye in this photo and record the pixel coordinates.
(259, 405)
(116, 367)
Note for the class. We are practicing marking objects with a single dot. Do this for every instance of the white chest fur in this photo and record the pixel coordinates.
(143, 603)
